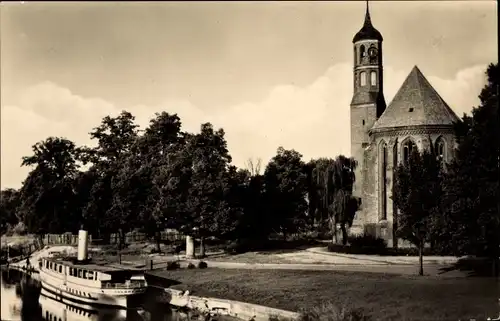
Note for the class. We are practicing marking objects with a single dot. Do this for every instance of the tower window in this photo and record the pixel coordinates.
(373, 78)
(362, 79)
(363, 122)
(408, 148)
(362, 52)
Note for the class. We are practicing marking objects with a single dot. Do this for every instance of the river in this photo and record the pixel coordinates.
(23, 300)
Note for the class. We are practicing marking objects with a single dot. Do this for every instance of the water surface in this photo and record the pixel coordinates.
(23, 300)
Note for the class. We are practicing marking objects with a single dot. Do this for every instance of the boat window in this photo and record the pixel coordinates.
(47, 264)
(46, 315)
(90, 275)
(60, 269)
(84, 274)
(79, 273)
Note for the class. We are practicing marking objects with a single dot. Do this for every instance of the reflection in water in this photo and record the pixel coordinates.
(24, 300)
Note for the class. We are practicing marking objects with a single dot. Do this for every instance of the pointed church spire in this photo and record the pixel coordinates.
(368, 21)
(368, 31)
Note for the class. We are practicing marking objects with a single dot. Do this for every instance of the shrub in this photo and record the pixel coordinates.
(202, 265)
(364, 244)
(173, 265)
(191, 265)
(329, 311)
(248, 245)
(367, 240)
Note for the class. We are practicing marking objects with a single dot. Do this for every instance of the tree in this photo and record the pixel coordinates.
(472, 181)
(210, 159)
(48, 198)
(285, 191)
(9, 207)
(344, 207)
(162, 166)
(417, 191)
(330, 193)
(115, 137)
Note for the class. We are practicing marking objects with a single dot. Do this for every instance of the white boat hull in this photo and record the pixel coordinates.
(64, 309)
(117, 298)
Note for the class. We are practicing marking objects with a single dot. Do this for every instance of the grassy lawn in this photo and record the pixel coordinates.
(383, 296)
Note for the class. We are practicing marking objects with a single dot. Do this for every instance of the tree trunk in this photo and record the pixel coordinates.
(158, 241)
(120, 243)
(202, 247)
(421, 258)
(344, 234)
(334, 231)
(496, 262)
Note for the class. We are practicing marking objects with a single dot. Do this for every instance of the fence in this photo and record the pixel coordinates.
(168, 235)
(62, 239)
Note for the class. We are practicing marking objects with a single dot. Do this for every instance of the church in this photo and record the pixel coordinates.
(383, 136)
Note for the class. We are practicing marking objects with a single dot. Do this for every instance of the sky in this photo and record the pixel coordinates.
(270, 73)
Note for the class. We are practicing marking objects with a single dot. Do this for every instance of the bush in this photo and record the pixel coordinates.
(173, 265)
(329, 311)
(364, 244)
(191, 265)
(249, 245)
(202, 265)
(367, 241)
(367, 244)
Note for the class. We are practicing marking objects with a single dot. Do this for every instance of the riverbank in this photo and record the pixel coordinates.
(385, 297)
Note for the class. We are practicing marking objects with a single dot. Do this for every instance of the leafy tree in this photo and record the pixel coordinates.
(9, 207)
(285, 191)
(330, 193)
(417, 191)
(164, 179)
(471, 222)
(115, 137)
(48, 198)
(344, 207)
(210, 160)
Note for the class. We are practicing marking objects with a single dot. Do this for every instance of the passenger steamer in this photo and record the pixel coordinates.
(88, 282)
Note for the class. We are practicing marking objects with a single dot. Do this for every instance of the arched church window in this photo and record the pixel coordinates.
(383, 180)
(441, 149)
(408, 148)
(362, 78)
(362, 52)
(373, 78)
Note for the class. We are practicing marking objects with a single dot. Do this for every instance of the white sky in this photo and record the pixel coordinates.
(270, 73)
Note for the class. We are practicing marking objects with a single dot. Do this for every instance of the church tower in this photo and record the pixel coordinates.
(368, 101)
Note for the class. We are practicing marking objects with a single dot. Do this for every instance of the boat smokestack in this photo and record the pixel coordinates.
(82, 245)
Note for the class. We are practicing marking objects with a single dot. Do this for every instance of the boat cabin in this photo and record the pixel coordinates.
(92, 271)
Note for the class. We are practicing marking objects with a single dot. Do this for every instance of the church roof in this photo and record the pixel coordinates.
(416, 104)
(368, 31)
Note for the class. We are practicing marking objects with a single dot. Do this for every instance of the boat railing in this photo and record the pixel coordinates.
(123, 285)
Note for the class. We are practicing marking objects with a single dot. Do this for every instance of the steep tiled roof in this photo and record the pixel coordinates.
(368, 31)
(416, 104)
